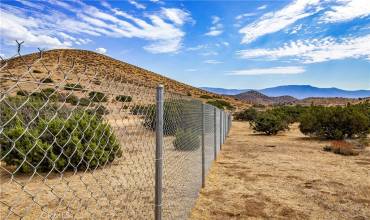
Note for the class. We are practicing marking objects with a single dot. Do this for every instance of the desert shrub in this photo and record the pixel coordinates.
(72, 99)
(341, 147)
(258, 106)
(221, 104)
(205, 97)
(97, 96)
(269, 123)
(73, 86)
(84, 102)
(37, 71)
(46, 80)
(335, 122)
(101, 110)
(248, 114)
(290, 114)
(123, 98)
(22, 93)
(186, 140)
(82, 141)
(142, 109)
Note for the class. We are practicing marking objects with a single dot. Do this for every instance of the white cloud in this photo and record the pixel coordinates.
(347, 10)
(216, 28)
(212, 62)
(239, 17)
(101, 50)
(198, 47)
(262, 7)
(275, 21)
(176, 15)
(191, 70)
(287, 70)
(51, 29)
(315, 50)
(209, 53)
(136, 4)
(14, 28)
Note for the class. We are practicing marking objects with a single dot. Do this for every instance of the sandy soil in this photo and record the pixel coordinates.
(284, 177)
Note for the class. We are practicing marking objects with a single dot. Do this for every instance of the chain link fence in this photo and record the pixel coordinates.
(82, 141)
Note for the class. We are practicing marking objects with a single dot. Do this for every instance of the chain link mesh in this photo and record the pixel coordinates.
(78, 141)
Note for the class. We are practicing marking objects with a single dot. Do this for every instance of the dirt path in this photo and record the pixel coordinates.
(284, 177)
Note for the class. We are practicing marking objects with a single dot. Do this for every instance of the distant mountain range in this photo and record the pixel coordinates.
(296, 91)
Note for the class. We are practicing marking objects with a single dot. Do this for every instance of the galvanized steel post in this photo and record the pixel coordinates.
(203, 150)
(159, 153)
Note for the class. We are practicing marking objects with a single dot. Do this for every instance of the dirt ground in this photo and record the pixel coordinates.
(287, 176)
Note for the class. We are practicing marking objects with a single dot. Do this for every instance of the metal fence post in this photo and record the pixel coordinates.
(203, 150)
(159, 153)
(220, 129)
(215, 131)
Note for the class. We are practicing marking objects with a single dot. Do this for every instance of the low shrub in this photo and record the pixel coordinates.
(73, 86)
(186, 140)
(101, 110)
(22, 93)
(72, 99)
(249, 114)
(342, 148)
(205, 97)
(269, 123)
(36, 71)
(46, 80)
(97, 96)
(54, 138)
(221, 104)
(335, 122)
(84, 102)
(123, 98)
(142, 109)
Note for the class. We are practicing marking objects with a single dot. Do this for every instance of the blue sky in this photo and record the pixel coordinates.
(229, 44)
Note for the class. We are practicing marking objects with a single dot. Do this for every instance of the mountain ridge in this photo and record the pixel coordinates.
(297, 91)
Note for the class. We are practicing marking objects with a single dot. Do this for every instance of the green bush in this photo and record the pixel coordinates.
(249, 114)
(22, 93)
(142, 109)
(205, 97)
(269, 123)
(84, 102)
(36, 140)
(46, 80)
(73, 86)
(221, 104)
(186, 140)
(97, 96)
(72, 99)
(123, 98)
(336, 122)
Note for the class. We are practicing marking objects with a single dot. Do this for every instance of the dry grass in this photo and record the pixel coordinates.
(295, 179)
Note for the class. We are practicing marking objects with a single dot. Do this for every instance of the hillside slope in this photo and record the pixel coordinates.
(81, 66)
(255, 97)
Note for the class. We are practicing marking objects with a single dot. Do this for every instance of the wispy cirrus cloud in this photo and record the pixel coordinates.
(137, 4)
(52, 28)
(286, 70)
(212, 62)
(275, 21)
(315, 50)
(216, 28)
(346, 10)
